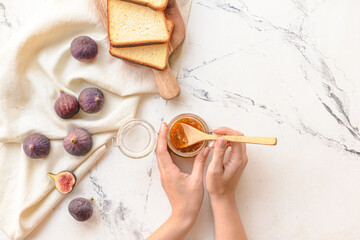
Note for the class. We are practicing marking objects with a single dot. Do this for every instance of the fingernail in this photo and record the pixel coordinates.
(214, 129)
(206, 152)
(162, 126)
(211, 144)
(221, 142)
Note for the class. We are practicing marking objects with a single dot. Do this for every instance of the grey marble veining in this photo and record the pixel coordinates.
(316, 69)
(3, 18)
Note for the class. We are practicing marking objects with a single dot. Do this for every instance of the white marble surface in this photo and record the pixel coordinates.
(284, 68)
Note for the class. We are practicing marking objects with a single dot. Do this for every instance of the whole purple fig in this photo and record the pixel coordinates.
(36, 146)
(84, 49)
(81, 209)
(91, 100)
(78, 142)
(66, 106)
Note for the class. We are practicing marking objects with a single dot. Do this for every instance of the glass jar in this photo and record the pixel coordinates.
(190, 119)
(136, 138)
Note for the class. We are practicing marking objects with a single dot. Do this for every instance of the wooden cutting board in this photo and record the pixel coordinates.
(165, 79)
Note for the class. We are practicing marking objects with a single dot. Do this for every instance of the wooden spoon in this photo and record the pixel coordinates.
(194, 136)
(165, 79)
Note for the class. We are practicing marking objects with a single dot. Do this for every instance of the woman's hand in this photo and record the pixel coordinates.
(221, 180)
(185, 192)
(223, 176)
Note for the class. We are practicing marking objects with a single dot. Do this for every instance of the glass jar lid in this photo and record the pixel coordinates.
(136, 138)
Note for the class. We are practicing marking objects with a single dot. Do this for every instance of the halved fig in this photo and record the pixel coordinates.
(64, 181)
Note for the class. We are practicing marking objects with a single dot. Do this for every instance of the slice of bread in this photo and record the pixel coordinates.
(154, 56)
(134, 25)
(158, 5)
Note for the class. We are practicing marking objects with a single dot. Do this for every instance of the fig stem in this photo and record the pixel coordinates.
(91, 199)
(97, 99)
(62, 91)
(31, 147)
(73, 140)
(51, 175)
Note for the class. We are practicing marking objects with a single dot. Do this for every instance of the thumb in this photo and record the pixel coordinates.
(219, 154)
(199, 164)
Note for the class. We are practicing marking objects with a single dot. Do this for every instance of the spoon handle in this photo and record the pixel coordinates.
(246, 139)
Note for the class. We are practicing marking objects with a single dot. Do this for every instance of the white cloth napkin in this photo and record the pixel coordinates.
(35, 64)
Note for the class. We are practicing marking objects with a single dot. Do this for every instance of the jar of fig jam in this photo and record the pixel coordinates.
(176, 136)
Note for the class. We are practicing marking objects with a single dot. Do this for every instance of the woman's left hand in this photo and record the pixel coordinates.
(185, 191)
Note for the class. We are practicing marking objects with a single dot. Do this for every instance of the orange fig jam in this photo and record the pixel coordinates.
(178, 137)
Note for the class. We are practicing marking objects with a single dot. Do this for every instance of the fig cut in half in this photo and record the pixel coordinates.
(64, 181)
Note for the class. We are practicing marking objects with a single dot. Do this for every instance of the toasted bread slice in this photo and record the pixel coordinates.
(158, 5)
(154, 56)
(134, 25)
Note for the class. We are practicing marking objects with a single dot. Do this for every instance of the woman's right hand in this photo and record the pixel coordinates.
(223, 176)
